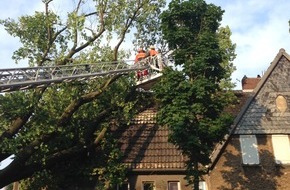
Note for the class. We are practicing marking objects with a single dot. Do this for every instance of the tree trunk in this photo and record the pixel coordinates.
(196, 177)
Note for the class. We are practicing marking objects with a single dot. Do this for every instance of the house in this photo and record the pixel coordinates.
(254, 155)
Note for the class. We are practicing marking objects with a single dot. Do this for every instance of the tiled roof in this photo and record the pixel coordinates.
(145, 145)
(262, 115)
(146, 117)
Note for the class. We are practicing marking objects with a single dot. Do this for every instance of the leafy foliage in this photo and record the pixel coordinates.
(193, 94)
(61, 134)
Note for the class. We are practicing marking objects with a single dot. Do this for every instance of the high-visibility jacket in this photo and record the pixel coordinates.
(152, 52)
(139, 56)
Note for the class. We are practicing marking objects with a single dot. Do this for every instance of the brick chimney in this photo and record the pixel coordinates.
(249, 84)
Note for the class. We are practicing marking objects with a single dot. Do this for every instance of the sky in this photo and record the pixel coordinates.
(259, 29)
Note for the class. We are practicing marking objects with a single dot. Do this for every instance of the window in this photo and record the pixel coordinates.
(281, 149)
(173, 185)
(249, 149)
(124, 186)
(202, 185)
(148, 185)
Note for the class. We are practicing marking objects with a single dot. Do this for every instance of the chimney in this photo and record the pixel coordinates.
(249, 84)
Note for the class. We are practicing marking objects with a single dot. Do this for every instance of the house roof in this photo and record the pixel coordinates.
(145, 145)
(261, 113)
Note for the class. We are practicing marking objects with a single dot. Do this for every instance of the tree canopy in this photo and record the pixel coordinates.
(60, 136)
(193, 94)
(61, 133)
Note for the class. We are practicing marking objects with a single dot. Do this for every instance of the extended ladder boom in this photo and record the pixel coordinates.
(31, 77)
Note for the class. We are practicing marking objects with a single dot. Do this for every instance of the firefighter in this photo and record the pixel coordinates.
(141, 54)
(152, 54)
(152, 51)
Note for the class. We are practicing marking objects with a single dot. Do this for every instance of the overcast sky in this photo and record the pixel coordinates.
(259, 29)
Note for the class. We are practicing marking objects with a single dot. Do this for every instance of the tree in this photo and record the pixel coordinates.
(193, 94)
(60, 136)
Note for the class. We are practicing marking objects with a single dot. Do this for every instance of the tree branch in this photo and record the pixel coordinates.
(19, 122)
(68, 112)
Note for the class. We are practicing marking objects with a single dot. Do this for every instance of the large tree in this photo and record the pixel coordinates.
(193, 94)
(58, 135)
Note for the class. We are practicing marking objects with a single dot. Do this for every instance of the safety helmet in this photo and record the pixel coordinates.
(152, 47)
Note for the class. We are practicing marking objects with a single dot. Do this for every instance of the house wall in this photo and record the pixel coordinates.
(230, 174)
(160, 181)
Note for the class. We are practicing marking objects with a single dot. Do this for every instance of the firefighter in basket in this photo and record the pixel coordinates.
(141, 55)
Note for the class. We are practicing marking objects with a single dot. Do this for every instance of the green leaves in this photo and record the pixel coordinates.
(192, 97)
(33, 34)
(59, 123)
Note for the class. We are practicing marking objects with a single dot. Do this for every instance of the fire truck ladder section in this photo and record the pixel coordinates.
(34, 77)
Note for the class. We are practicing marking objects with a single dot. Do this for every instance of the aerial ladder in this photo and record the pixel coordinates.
(15, 79)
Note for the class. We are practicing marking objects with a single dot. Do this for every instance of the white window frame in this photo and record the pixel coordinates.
(202, 185)
(126, 183)
(178, 184)
(153, 182)
(249, 149)
(281, 148)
